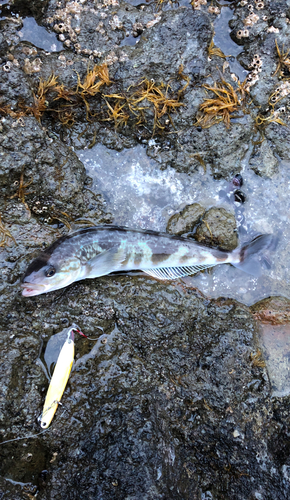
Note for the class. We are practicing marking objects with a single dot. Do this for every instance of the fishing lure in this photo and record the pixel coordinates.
(58, 380)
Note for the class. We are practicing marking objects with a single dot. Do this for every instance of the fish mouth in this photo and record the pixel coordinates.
(30, 289)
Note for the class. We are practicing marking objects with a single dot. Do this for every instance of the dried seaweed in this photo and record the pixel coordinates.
(220, 107)
(117, 112)
(283, 66)
(215, 51)
(182, 76)
(158, 96)
(262, 121)
(257, 359)
(21, 191)
(64, 103)
(5, 234)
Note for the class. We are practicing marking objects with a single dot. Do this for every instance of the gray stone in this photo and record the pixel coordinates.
(184, 221)
(218, 227)
(263, 162)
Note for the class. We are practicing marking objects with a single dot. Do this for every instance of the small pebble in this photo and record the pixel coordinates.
(239, 196)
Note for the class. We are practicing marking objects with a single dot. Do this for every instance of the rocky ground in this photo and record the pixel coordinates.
(174, 400)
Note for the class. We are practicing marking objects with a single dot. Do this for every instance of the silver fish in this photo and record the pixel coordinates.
(97, 251)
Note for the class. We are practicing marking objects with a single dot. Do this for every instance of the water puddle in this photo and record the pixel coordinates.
(130, 40)
(140, 195)
(223, 40)
(39, 36)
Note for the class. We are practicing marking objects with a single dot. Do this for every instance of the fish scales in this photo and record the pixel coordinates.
(101, 250)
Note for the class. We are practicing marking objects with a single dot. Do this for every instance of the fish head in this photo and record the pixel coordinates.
(45, 274)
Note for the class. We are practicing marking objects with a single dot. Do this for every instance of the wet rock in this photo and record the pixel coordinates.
(274, 310)
(3, 45)
(263, 161)
(168, 359)
(48, 172)
(170, 402)
(43, 183)
(277, 135)
(184, 221)
(218, 227)
(35, 8)
(8, 28)
(273, 319)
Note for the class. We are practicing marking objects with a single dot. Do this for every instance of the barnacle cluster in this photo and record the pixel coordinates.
(48, 213)
(279, 93)
(67, 22)
(196, 4)
(214, 10)
(251, 19)
(242, 34)
(253, 76)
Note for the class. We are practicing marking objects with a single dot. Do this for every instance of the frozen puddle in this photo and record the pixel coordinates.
(223, 41)
(39, 36)
(275, 343)
(140, 195)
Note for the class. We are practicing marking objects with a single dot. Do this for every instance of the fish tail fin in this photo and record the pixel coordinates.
(249, 256)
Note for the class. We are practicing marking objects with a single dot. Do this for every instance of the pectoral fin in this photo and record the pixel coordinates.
(105, 262)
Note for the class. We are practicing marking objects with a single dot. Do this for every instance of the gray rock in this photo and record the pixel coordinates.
(3, 45)
(150, 409)
(263, 161)
(168, 360)
(184, 221)
(218, 227)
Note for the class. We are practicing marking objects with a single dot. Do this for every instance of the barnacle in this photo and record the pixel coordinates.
(219, 108)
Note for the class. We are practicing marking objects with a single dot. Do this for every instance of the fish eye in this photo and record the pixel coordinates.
(50, 272)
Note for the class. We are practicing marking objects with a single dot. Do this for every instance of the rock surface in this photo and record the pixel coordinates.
(168, 403)
(218, 227)
(274, 310)
(186, 220)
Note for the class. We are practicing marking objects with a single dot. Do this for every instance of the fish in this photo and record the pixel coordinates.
(58, 380)
(100, 250)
